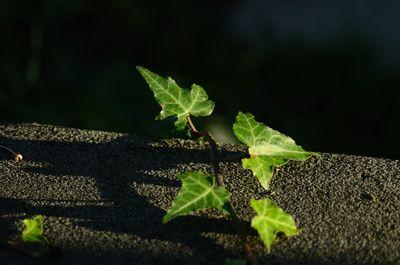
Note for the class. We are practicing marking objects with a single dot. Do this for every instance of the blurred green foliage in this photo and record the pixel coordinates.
(73, 63)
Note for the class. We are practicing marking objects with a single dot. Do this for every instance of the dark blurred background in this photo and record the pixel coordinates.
(324, 72)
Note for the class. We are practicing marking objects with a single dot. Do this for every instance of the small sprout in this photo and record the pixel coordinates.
(18, 157)
(33, 231)
(32, 240)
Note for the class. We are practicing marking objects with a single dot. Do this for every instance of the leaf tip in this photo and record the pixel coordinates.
(166, 219)
(244, 114)
(253, 202)
(240, 114)
(140, 68)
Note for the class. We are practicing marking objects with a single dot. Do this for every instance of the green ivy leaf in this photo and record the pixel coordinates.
(270, 220)
(198, 191)
(33, 231)
(235, 262)
(176, 101)
(267, 147)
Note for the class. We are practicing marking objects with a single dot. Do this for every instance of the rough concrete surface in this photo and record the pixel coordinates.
(103, 196)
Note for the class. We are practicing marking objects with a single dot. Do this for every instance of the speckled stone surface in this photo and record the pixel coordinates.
(103, 196)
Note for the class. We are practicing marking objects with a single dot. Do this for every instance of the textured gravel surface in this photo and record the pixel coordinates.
(103, 196)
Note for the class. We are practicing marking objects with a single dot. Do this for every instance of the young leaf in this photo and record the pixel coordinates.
(235, 262)
(33, 231)
(198, 191)
(267, 147)
(176, 101)
(270, 220)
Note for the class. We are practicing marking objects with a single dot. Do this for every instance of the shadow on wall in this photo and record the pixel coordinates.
(117, 168)
(116, 187)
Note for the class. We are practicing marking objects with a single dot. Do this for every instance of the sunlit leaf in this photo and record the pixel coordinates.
(270, 220)
(33, 231)
(176, 101)
(198, 191)
(267, 147)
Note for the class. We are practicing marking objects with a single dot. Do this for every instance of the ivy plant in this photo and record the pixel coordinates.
(33, 231)
(32, 240)
(267, 149)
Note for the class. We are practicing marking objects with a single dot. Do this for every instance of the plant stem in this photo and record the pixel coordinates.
(191, 125)
(250, 257)
(234, 158)
(213, 147)
(214, 156)
(17, 156)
